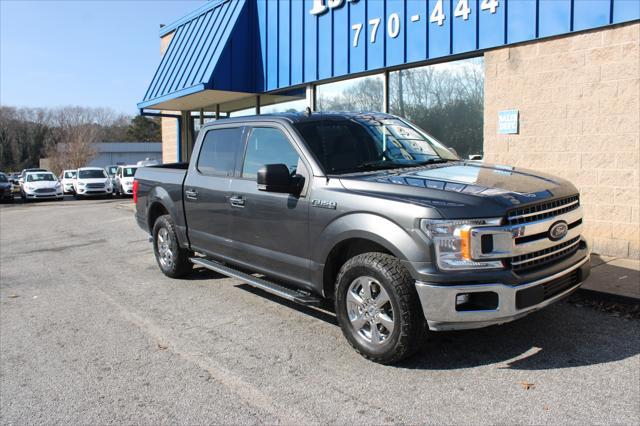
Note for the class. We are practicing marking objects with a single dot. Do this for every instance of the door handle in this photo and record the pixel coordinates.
(236, 201)
(192, 194)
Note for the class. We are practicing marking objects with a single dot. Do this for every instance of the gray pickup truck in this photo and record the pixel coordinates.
(371, 213)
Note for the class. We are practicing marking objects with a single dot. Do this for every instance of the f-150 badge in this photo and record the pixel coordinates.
(324, 204)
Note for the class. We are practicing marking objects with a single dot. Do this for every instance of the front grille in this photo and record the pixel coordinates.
(543, 210)
(538, 294)
(95, 185)
(527, 262)
(44, 190)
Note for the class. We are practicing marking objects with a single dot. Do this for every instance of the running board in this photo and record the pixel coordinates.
(268, 286)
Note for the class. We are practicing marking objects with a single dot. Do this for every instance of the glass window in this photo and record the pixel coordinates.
(92, 174)
(243, 112)
(129, 171)
(219, 150)
(358, 94)
(3, 178)
(70, 175)
(365, 142)
(290, 106)
(39, 177)
(268, 146)
(447, 100)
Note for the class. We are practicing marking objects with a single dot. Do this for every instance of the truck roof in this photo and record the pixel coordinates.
(298, 117)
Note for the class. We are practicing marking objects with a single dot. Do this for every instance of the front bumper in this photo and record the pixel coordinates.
(43, 196)
(441, 312)
(93, 192)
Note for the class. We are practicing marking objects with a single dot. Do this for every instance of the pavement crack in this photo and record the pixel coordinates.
(248, 392)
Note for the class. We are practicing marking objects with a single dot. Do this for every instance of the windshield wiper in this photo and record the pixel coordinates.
(433, 161)
(378, 165)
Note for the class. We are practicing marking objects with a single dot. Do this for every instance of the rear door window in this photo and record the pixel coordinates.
(219, 150)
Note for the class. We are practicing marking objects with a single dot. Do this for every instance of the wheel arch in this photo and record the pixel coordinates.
(360, 233)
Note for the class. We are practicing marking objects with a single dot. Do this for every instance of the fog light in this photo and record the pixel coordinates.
(461, 299)
(477, 301)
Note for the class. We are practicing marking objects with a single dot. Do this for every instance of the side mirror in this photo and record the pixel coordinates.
(276, 178)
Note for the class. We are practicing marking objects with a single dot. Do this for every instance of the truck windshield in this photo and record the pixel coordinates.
(69, 175)
(366, 142)
(91, 174)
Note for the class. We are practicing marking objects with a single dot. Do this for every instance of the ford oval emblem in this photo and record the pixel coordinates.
(558, 230)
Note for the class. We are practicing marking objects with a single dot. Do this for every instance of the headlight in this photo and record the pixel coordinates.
(58, 185)
(30, 188)
(451, 240)
(81, 184)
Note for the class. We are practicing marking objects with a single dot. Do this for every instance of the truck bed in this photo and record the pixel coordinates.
(163, 182)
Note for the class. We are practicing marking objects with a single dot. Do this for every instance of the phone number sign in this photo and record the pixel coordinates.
(508, 122)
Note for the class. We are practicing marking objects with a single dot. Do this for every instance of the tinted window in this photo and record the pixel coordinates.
(218, 151)
(3, 178)
(38, 177)
(92, 174)
(129, 171)
(368, 142)
(268, 146)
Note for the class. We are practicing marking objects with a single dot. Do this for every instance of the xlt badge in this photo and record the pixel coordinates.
(324, 204)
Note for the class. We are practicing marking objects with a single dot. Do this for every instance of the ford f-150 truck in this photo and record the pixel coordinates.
(372, 214)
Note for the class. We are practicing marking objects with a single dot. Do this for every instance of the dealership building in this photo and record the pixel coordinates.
(550, 85)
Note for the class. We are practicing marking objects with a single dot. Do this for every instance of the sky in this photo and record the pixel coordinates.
(83, 52)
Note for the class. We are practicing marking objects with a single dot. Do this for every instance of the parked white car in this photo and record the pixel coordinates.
(66, 178)
(124, 180)
(92, 182)
(41, 185)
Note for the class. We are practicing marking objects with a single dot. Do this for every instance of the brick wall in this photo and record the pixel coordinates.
(169, 125)
(169, 139)
(164, 42)
(579, 102)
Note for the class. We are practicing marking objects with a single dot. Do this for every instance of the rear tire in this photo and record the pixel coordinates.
(172, 260)
(378, 309)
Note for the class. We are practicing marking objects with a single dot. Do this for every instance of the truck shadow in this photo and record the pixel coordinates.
(561, 336)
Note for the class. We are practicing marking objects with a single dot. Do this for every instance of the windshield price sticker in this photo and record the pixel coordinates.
(393, 23)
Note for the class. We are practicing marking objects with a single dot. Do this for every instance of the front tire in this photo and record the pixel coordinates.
(172, 259)
(378, 308)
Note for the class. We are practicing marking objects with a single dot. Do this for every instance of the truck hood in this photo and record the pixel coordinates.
(462, 189)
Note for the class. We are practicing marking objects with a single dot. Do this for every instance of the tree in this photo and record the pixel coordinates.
(446, 100)
(144, 129)
(68, 135)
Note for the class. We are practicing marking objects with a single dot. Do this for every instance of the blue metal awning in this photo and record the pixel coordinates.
(228, 51)
(198, 58)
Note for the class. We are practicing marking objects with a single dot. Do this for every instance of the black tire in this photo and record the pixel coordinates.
(176, 263)
(403, 308)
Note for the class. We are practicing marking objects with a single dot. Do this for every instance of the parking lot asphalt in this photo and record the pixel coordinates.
(92, 332)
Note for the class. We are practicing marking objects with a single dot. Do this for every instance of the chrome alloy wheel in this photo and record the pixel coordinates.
(370, 310)
(165, 255)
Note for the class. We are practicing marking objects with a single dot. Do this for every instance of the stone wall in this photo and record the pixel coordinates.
(579, 103)
(169, 139)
